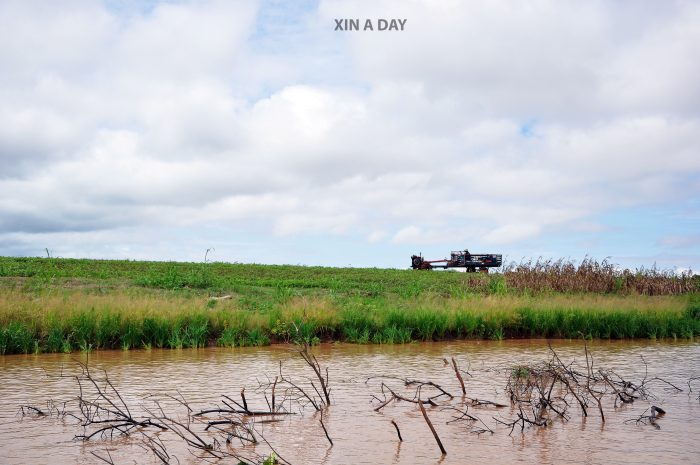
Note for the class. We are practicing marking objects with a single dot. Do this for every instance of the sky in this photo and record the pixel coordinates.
(161, 129)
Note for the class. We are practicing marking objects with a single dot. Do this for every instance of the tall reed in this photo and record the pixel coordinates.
(592, 276)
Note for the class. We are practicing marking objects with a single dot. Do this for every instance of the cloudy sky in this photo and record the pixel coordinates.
(158, 130)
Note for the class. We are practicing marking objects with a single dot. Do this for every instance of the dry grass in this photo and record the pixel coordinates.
(591, 276)
(16, 305)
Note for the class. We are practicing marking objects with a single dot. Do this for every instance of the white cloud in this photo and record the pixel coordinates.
(314, 223)
(510, 233)
(376, 236)
(681, 241)
(409, 234)
(499, 121)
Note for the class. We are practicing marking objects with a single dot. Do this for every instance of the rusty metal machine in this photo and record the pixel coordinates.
(459, 259)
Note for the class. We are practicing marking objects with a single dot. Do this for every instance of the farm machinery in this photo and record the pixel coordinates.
(459, 259)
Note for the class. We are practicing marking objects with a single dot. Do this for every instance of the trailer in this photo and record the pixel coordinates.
(460, 259)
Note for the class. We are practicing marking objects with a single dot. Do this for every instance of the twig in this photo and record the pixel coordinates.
(108, 459)
(432, 428)
(459, 376)
(325, 430)
(398, 431)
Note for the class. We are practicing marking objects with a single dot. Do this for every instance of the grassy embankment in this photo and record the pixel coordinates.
(60, 305)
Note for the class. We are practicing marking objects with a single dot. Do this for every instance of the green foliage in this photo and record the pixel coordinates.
(693, 310)
(357, 335)
(598, 324)
(279, 329)
(286, 281)
(283, 293)
(196, 331)
(305, 331)
(176, 276)
(131, 334)
(313, 304)
(465, 324)
(237, 337)
(83, 328)
(4, 341)
(175, 339)
(108, 331)
(66, 347)
(392, 335)
(497, 285)
(257, 303)
(16, 338)
(356, 324)
(156, 331)
(412, 289)
(54, 337)
(256, 337)
(498, 334)
(520, 372)
(231, 337)
(429, 325)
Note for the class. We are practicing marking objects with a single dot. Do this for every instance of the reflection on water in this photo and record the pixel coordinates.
(360, 435)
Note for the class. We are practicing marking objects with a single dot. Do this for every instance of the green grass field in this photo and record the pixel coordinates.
(62, 305)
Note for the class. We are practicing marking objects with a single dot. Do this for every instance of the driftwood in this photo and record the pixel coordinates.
(398, 431)
(539, 394)
(398, 397)
(31, 410)
(523, 419)
(104, 414)
(690, 385)
(654, 414)
(302, 392)
(325, 430)
(459, 376)
(107, 459)
(432, 428)
(310, 360)
(482, 402)
(534, 386)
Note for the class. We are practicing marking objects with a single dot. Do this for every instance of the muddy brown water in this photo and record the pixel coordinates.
(360, 435)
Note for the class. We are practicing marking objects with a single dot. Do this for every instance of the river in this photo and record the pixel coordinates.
(361, 435)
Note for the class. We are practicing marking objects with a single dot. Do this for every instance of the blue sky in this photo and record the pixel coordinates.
(158, 130)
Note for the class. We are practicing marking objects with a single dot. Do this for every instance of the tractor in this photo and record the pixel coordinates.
(459, 259)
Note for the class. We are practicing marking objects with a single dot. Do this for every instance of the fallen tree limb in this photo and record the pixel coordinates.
(432, 428)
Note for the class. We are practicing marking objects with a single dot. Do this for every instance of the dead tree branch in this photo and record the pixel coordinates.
(398, 431)
(459, 376)
(325, 430)
(432, 428)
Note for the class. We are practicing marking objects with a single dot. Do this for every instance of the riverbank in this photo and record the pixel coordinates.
(56, 305)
